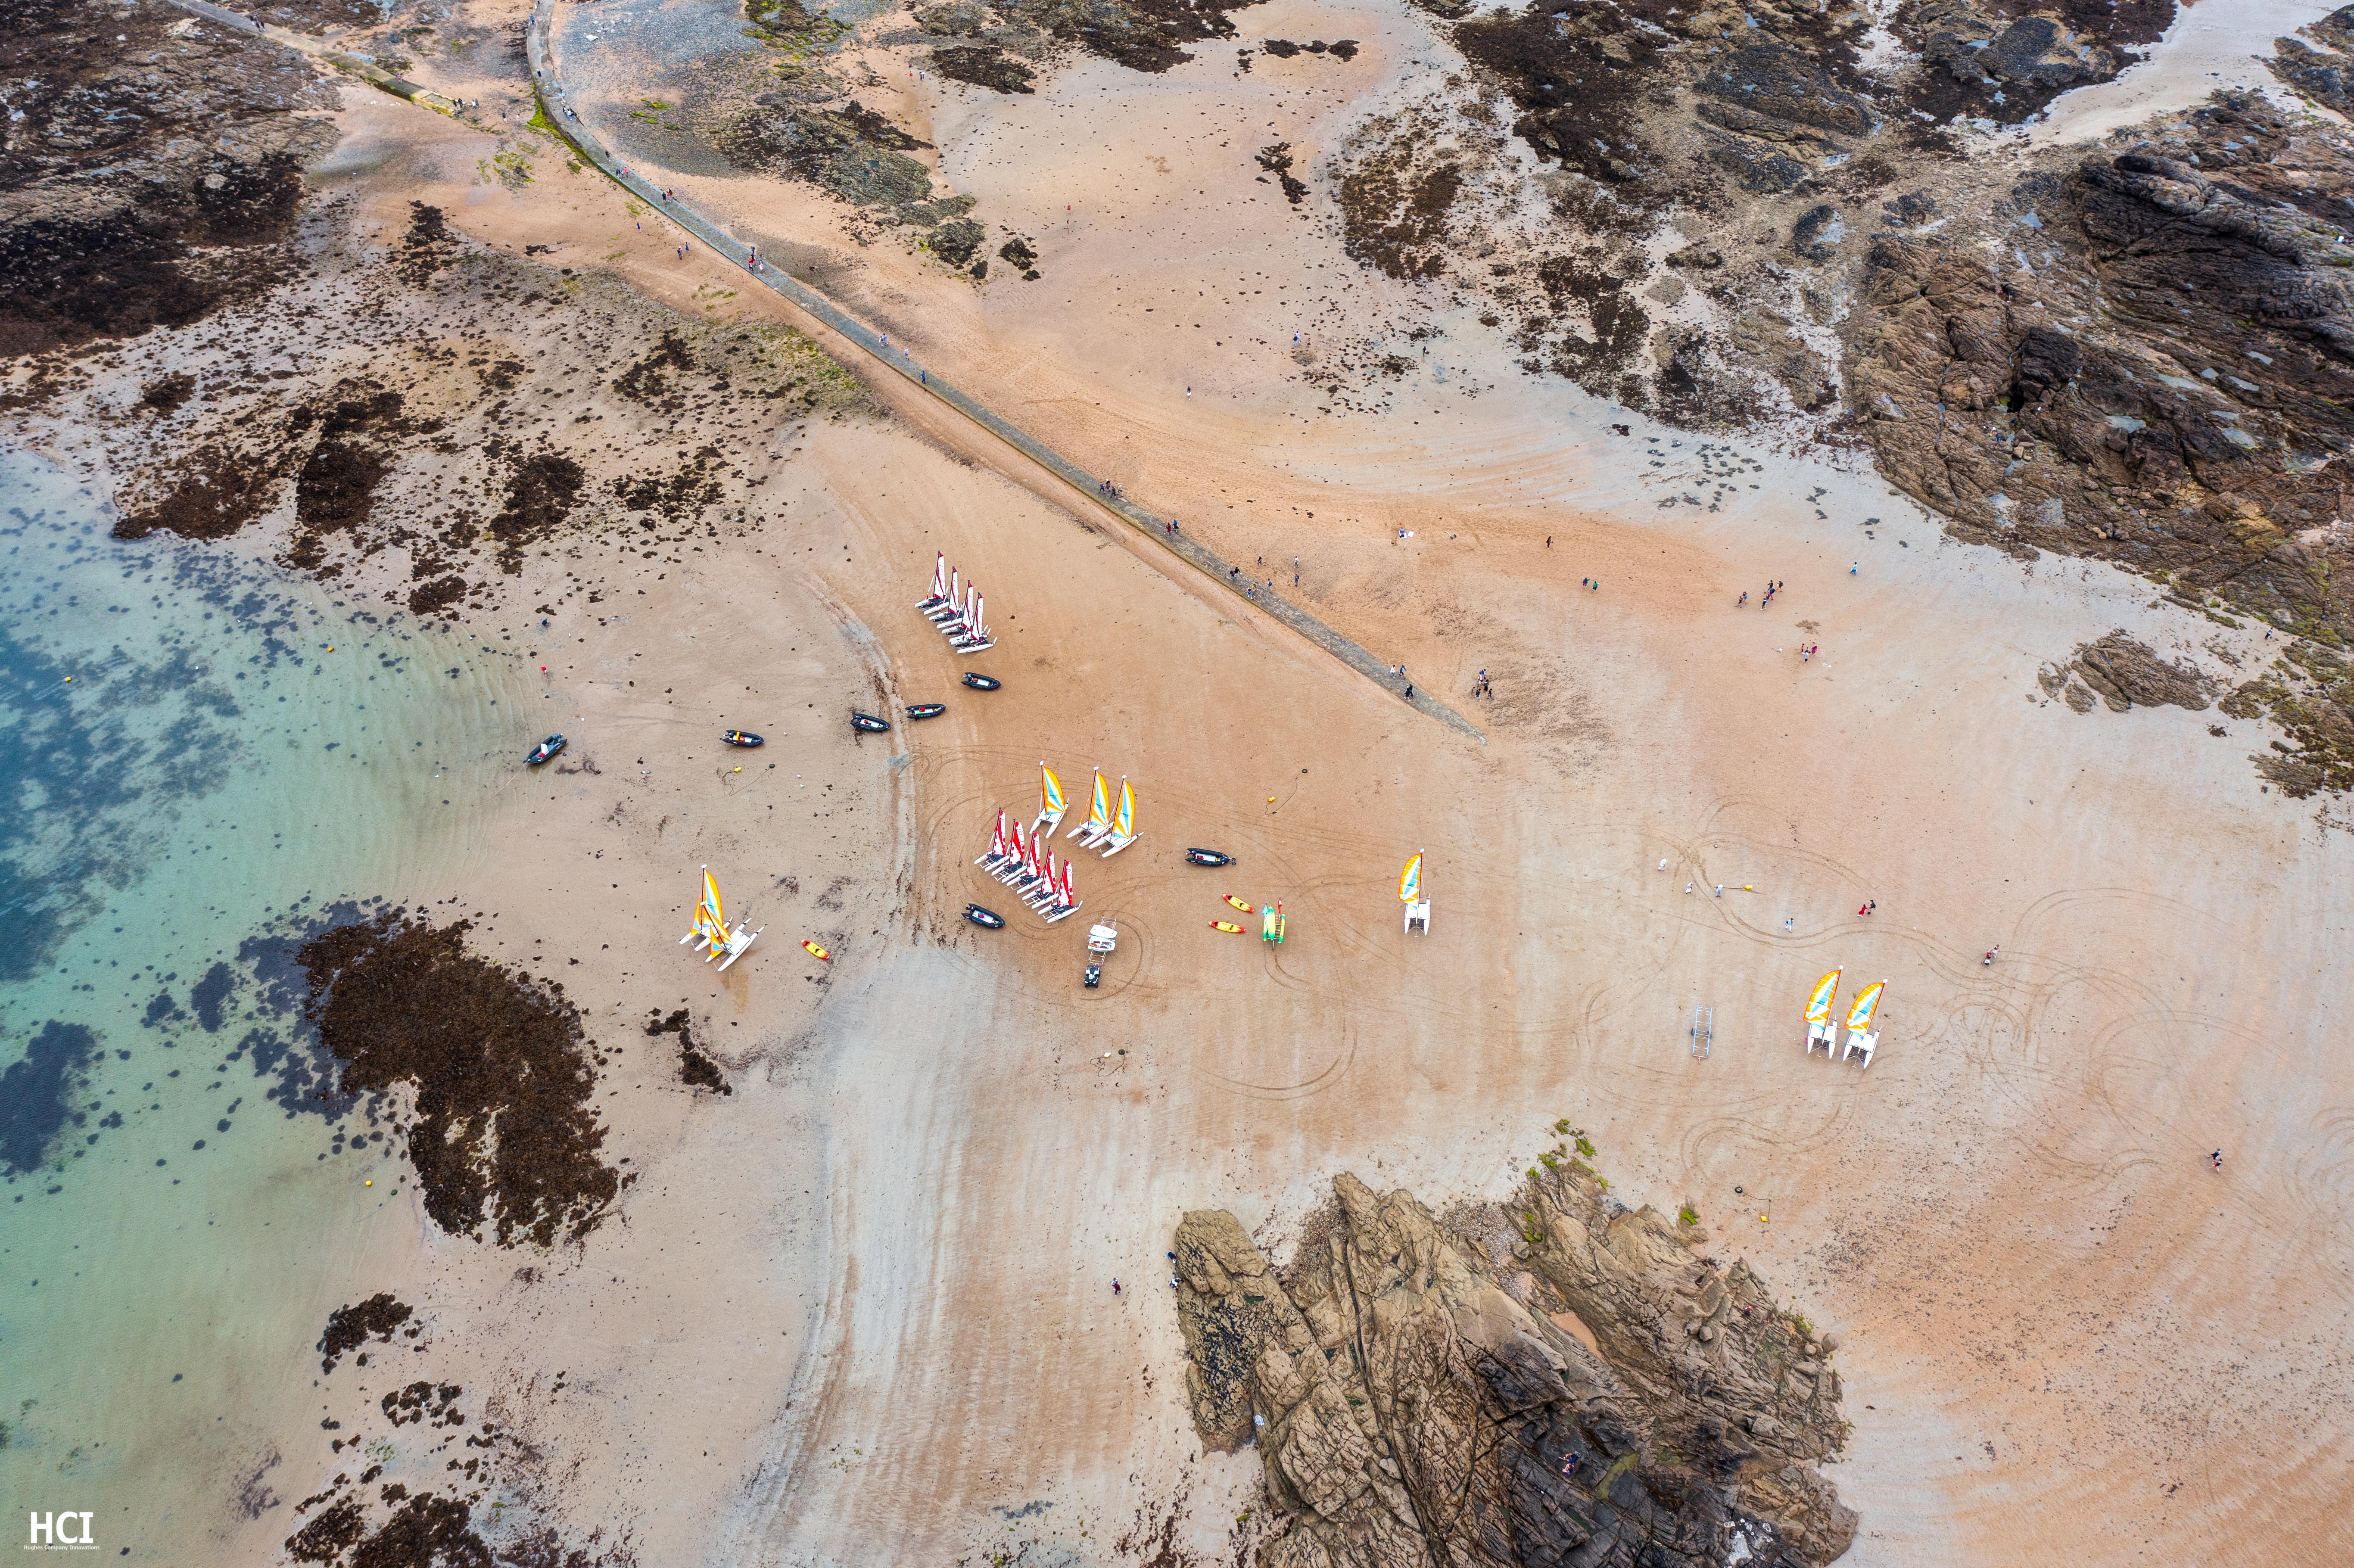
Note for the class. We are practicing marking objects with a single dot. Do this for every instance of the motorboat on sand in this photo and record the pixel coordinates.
(741, 737)
(868, 723)
(543, 750)
(1208, 857)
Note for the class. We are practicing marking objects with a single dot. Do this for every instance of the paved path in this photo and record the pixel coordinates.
(549, 89)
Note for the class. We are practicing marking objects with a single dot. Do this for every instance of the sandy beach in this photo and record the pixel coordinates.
(866, 1296)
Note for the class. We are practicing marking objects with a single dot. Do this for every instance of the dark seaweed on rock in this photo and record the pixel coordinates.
(1142, 35)
(695, 1069)
(497, 1061)
(349, 1328)
(146, 178)
(984, 66)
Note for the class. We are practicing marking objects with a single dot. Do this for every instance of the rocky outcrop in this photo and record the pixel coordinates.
(2123, 671)
(1425, 1392)
(150, 171)
(2154, 364)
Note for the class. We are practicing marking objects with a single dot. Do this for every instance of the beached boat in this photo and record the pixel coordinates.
(742, 738)
(987, 919)
(543, 750)
(711, 931)
(981, 682)
(926, 710)
(1208, 857)
(868, 723)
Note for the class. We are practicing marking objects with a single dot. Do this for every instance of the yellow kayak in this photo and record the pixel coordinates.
(1226, 925)
(1239, 903)
(818, 952)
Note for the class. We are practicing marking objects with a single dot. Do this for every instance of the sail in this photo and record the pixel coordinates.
(1123, 823)
(1410, 880)
(940, 577)
(1021, 845)
(1819, 1005)
(1100, 811)
(1867, 1000)
(980, 627)
(996, 838)
(1050, 791)
(1070, 897)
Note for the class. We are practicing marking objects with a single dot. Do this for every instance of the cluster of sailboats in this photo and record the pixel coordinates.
(1021, 860)
(1863, 1040)
(956, 609)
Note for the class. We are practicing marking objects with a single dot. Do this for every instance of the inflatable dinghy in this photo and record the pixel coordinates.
(741, 737)
(987, 919)
(926, 710)
(1208, 857)
(981, 682)
(543, 750)
(868, 723)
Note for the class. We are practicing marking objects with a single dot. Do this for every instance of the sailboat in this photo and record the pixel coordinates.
(1820, 1030)
(1091, 831)
(977, 637)
(1123, 822)
(939, 594)
(1418, 908)
(710, 930)
(1051, 804)
(1863, 1040)
(1066, 898)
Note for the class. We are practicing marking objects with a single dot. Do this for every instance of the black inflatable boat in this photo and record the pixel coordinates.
(741, 737)
(543, 750)
(926, 710)
(981, 682)
(987, 919)
(868, 723)
(1208, 857)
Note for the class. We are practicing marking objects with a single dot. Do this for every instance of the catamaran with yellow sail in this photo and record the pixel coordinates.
(1820, 1030)
(712, 933)
(1418, 908)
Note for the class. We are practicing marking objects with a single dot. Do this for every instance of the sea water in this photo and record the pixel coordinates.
(196, 751)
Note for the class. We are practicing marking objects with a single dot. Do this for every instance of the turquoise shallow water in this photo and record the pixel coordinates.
(198, 757)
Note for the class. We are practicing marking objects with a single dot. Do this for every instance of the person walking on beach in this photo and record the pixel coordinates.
(2216, 1160)
(1851, 571)
(1743, 600)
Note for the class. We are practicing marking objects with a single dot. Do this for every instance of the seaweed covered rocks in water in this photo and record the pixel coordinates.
(1555, 1380)
(497, 1062)
(695, 1069)
(36, 1093)
(349, 1328)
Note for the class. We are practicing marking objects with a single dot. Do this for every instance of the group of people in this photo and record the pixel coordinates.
(1106, 487)
(1481, 688)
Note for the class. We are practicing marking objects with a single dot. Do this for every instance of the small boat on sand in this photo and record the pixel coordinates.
(741, 737)
(981, 682)
(543, 750)
(1208, 857)
(926, 710)
(988, 919)
(868, 723)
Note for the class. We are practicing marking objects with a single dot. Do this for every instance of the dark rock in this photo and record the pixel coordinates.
(956, 241)
(1817, 232)
(2126, 673)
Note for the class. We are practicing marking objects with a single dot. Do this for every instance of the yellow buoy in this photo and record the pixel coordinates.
(367, 1183)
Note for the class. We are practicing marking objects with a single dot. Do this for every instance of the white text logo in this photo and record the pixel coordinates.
(59, 1532)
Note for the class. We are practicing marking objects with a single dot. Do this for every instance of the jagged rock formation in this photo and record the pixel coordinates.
(2154, 365)
(2124, 672)
(1425, 1392)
